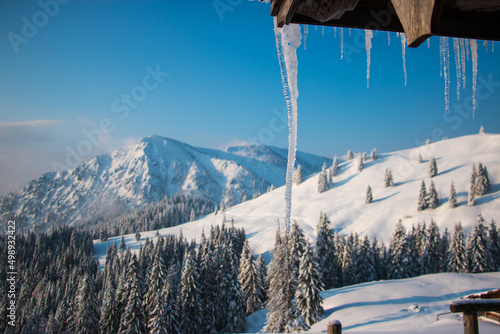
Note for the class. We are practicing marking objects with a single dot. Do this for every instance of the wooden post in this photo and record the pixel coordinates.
(334, 327)
(470, 323)
(416, 17)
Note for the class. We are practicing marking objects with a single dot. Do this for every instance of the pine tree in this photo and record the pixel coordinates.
(156, 281)
(359, 162)
(190, 301)
(87, 316)
(399, 253)
(432, 198)
(308, 298)
(283, 315)
(109, 320)
(298, 175)
(133, 319)
(494, 246)
(481, 130)
(350, 155)
(422, 198)
(350, 261)
(297, 246)
(335, 167)
(457, 256)
(326, 253)
(262, 286)
(481, 182)
(419, 158)
(366, 262)
(479, 256)
(123, 247)
(388, 181)
(374, 155)
(323, 180)
(472, 186)
(433, 170)
(453, 196)
(434, 245)
(249, 280)
(369, 196)
(192, 216)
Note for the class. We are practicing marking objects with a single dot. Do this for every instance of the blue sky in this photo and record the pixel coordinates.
(209, 78)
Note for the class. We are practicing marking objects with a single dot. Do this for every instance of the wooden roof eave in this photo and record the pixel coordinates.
(478, 19)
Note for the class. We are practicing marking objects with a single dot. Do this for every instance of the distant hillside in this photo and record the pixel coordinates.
(146, 172)
(344, 202)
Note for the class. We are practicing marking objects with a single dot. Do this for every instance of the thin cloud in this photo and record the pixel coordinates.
(29, 124)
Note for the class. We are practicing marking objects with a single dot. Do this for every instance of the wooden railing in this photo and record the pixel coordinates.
(470, 308)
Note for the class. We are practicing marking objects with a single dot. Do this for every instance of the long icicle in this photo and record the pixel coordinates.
(462, 57)
(445, 55)
(403, 51)
(341, 43)
(368, 46)
(473, 52)
(458, 63)
(306, 30)
(287, 40)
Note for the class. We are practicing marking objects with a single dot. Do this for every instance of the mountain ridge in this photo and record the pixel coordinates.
(145, 172)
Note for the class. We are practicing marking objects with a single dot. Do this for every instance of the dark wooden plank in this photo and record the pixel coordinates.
(286, 11)
(416, 18)
(475, 305)
(326, 10)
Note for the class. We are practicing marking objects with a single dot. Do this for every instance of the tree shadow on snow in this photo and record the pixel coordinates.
(450, 170)
(384, 198)
(489, 197)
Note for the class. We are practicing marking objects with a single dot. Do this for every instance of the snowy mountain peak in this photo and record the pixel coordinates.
(147, 171)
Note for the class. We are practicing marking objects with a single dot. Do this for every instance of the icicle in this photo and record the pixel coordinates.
(341, 43)
(368, 46)
(349, 32)
(388, 38)
(334, 32)
(287, 40)
(473, 51)
(322, 30)
(403, 49)
(428, 43)
(492, 46)
(458, 63)
(445, 55)
(467, 45)
(486, 45)
(306, 30)
(462, 57)
(315, 28)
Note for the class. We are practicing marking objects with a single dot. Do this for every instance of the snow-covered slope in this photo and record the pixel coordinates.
(399, 306)
(147, 171)
(345, 204)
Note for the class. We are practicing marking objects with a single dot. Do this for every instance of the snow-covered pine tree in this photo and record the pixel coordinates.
(350, 261)
(494, 246)
(123, 247)
(297, 246)
(388, 181)
(482, 182)
(170, 311)
(364, 157)
(369, 196)
(480, 257)
(374, 154)
(298, 175)
(308, 298)
(359, 162)
(452, 202)
(443, 248)
(192, 216)
(335, 167)
(208, 283)
(323, 180)
(457, 255)
(350, 155)
(249, 280)
(422, 198)
(325, 250)
(87, 310)
(432, 198)
(413, 252)
(481, 130)
(433, 170)
(472, 186)
(399, 253)
(109, 320)
(283, 314)
(434, 244)
(262, 286)
(366, 262)
(419, 158)
(190, 300)
(156, 281)
(137, 236)
(132, 319)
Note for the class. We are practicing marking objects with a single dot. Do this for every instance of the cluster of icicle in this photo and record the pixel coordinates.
(462, 48)
(287, 40)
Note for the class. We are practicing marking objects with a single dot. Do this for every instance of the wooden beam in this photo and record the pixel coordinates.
(286, 11)
(326, 10)
(416, 18)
